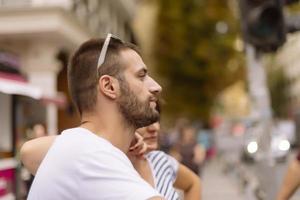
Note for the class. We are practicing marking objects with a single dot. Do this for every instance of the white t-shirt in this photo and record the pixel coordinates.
(83, 166)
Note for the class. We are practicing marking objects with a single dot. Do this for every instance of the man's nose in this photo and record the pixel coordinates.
(154, 86)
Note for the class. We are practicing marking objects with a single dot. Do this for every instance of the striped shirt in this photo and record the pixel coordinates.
(164, 169)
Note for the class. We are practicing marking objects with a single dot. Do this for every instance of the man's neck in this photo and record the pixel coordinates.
(111, 128)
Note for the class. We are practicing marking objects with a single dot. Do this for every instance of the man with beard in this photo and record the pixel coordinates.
(109, 85)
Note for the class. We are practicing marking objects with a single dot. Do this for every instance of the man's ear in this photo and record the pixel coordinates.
(109, 86)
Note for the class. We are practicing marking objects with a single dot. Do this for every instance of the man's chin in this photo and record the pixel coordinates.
(148, 120)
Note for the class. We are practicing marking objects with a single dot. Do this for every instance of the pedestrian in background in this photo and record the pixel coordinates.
(205, 139)
(192, 154)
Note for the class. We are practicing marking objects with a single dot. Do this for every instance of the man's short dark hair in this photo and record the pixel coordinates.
(82, 70)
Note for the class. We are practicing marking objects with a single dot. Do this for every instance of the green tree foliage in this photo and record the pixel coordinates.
(195, 60)
(279, 85)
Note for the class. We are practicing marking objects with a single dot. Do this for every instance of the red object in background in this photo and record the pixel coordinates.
(238, 129)
(210, 153)
(7, 182)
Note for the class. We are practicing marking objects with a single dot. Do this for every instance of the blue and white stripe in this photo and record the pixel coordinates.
(164, 168)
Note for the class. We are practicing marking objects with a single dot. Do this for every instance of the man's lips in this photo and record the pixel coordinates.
(153, 104)
(153, 98)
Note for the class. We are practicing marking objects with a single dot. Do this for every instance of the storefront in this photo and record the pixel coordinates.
(9, 90)
(22, 105)
(7, 162)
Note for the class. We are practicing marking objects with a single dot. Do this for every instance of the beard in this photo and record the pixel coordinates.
(137, 113)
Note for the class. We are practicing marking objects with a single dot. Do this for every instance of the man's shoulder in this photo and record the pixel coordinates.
(83, 138)
(77, 145)
(98, 167)
(88, 147)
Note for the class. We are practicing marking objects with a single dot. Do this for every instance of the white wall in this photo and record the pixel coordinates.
(5, 122)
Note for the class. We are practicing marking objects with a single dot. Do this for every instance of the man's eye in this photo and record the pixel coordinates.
(142, 76)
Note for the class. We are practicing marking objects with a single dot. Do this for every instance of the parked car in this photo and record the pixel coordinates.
(280, 144)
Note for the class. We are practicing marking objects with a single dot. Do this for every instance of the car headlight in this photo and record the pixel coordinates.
(284, 145)
(252, 147)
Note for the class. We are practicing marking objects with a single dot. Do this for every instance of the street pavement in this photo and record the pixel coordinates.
(218, 185)
(220, 182)
(279, 173)
(242, 181)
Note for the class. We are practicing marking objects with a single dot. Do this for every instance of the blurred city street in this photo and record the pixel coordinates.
(227, 177)
(221, 182)
(218, 80)
(218, 185)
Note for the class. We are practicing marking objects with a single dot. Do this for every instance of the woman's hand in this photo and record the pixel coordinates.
(138, 147)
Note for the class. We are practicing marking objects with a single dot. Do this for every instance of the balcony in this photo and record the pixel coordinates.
(66, 22)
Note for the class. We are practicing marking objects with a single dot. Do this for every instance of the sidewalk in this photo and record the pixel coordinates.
(219, 186)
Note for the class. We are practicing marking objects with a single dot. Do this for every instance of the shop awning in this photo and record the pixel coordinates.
(8, 86)
(19, 87)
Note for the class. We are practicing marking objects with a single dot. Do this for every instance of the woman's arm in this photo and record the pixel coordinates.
(189, 182)
(291, 181)
(33, 152)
